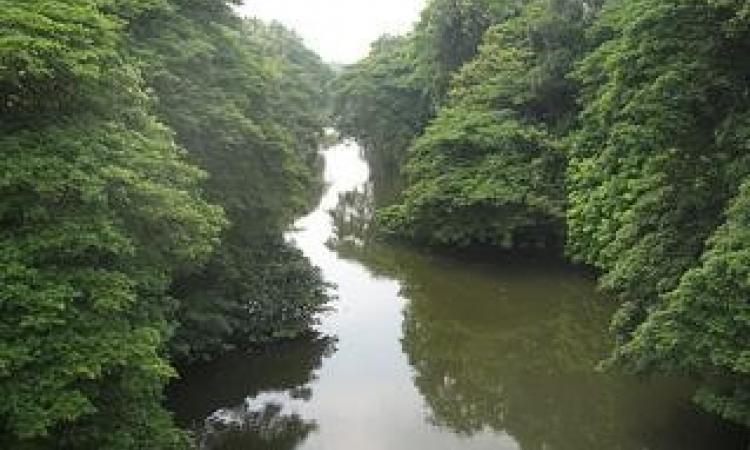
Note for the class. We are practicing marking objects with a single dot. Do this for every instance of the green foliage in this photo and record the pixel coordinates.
(100, 211)
(299, 95)
(470, 181)
(704, 326)
(54, 57)
(449, 34)
(386, 100)
(248, 102)
(210, 85)
(627, 120)
(660, 153)
(489, 169)
(382, 103)
(262, 291)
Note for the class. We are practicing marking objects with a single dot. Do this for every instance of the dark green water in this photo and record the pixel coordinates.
(427, 352)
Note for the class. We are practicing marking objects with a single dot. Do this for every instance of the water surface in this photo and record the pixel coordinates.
(428, 352)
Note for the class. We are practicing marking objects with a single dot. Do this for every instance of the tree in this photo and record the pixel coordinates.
(99, 210)
(106, 106)
(660, 154)
(386, 100)
(449, 34)
(382, 103)
(490, 168)
(247, 102)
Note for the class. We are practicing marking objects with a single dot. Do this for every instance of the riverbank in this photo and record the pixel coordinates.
(435, 351)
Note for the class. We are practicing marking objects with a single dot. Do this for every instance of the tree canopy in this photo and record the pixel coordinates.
(613, 131)
(143, 142)
(654, 187)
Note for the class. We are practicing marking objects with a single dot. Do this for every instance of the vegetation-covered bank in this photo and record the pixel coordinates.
(153, 152)
(614, 129)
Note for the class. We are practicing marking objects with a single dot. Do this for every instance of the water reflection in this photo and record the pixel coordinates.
(261, 427)
(510, 344)
(353, 218)
(250, 401)
(526, 367)
(437, 353)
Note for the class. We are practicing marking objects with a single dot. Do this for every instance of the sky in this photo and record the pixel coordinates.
(340, 31)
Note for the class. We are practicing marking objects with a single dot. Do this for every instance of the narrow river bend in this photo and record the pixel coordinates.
(427, 352)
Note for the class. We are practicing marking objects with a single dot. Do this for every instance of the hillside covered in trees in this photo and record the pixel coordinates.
(153, 153)
(614, 132)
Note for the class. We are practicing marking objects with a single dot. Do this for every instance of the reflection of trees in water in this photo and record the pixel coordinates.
(352, 216)
(528, 369)
(498, 353)
(512, 347)
(386, 178)
(262, 428)
(207, 396)
(533, 380)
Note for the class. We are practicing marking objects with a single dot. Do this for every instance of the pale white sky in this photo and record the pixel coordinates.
(339, 30)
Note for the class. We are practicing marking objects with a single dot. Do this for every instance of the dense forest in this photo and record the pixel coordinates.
(153, 154)
(614, 132)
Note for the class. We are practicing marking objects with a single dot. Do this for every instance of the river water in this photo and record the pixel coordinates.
(428, 352)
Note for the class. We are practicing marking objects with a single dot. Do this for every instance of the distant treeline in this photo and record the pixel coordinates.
(617, 131)
(152, 152)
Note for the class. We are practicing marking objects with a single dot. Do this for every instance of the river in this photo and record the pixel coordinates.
(429, 352)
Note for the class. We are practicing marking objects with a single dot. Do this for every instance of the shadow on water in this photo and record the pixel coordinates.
(440, 352)
(245, 400)
(509, 342)
(516, 353)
